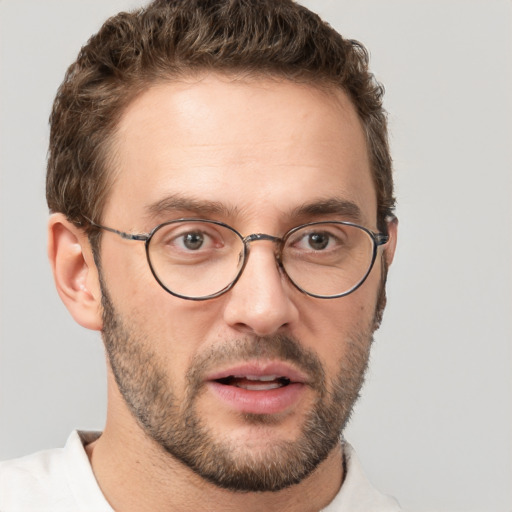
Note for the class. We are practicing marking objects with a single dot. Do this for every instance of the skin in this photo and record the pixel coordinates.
(261, 149)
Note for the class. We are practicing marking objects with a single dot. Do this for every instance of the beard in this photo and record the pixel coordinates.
(178, 428)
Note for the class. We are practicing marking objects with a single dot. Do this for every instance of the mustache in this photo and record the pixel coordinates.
(275, 347)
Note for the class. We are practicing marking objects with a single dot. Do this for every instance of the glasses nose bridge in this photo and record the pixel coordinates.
(259, 237)
(262, 236)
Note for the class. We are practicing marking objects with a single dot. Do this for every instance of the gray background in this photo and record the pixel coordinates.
(434, 424)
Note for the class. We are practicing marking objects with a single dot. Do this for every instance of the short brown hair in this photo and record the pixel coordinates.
(173, 38)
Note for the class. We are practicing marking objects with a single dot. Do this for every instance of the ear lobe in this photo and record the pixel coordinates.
(389, 251)
(74, 271)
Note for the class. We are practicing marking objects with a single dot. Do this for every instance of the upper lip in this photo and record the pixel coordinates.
(260, 369)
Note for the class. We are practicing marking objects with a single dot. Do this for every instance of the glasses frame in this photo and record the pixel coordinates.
(377, 238)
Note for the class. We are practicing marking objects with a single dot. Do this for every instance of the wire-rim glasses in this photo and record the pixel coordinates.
(200, 259)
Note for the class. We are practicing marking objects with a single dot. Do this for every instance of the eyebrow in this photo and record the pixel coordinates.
(177, 202)
(174, 203)
(332, 206)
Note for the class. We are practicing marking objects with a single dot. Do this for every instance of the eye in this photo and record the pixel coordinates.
(316, 241)
(186, 239)
(192, 241)
(199, 244)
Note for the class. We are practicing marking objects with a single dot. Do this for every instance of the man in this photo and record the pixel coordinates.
(222, 211)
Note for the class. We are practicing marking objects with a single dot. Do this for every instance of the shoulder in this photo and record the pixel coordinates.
(357, 494)
(32, 479)
(55, 480)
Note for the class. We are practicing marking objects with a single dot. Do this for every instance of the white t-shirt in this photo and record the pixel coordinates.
(62, 480)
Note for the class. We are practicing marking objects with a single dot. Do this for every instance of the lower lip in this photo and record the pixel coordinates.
(270, 401)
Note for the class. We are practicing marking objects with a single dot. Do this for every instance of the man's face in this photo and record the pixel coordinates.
(206, 380)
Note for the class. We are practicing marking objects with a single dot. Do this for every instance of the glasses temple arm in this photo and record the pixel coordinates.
(122, 234)
(381, 238)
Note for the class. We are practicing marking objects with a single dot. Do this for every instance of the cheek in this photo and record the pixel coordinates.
(341, 318)
(339, 327)
(172, 328)
(184, 325)
(124, 268)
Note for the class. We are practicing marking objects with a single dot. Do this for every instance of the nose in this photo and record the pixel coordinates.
(261, 302)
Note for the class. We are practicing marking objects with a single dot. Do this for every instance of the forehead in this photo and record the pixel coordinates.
(258, 147)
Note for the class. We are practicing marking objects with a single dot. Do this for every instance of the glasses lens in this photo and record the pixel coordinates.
(328, 259)
(195, 259)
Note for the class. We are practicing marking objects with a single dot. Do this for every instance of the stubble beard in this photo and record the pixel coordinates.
(178, 428)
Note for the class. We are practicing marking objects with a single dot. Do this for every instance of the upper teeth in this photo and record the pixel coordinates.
(265, 378)
(262, 386)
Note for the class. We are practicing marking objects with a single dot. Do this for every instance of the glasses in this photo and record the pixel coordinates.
(198, 259)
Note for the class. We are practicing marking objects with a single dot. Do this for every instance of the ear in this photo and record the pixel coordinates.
(390, 247)
(74, 271)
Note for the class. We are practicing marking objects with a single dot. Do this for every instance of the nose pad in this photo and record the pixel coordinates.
(260, 302)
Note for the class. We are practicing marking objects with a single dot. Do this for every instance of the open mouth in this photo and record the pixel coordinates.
(255, 382)
(259, 387)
